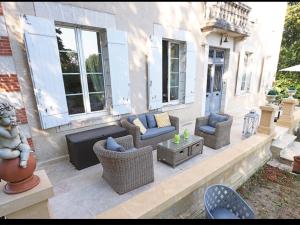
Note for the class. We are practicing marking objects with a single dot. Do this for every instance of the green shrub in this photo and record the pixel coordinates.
(292, 88)
(272, 92)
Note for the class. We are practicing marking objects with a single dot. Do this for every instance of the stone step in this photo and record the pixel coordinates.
(280, 132)
(290, 152)
(283, 142)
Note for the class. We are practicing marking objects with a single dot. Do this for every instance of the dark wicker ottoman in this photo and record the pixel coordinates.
(80, 145)
(174, 154)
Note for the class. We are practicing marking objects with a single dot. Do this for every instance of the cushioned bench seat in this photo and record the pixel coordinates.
(153, 132)
(207, 129)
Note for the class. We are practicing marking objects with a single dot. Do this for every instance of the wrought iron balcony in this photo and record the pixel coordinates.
(227, 17)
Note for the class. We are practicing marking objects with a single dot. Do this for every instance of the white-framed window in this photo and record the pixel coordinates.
(247, 72)
(171, 60)
(81, 61)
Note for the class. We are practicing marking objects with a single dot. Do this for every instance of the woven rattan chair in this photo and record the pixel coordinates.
(220, 137)
(125, 171)
(222, 202)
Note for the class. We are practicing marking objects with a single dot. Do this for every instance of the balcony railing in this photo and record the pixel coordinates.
(227, 16)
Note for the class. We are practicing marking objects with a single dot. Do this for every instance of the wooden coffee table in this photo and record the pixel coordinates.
(174, 154)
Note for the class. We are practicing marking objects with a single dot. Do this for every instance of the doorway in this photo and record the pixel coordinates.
(215, 72)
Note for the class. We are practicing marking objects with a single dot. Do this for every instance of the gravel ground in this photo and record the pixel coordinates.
(273, 194)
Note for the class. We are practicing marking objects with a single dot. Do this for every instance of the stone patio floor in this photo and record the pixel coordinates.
(84, 194)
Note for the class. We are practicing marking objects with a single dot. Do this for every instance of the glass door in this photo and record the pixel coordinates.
(214, 81)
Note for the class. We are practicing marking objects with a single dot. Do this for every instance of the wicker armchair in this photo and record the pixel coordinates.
(222, 202)
(125, 171)
(135, 132)
(221, 136)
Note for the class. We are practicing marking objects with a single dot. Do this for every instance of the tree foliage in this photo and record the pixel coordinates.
(289, 51)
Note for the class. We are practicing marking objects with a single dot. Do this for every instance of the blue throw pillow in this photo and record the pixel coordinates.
(143, 120)
(215, 118)
(112, 145)
(151, 120)
(131, 118)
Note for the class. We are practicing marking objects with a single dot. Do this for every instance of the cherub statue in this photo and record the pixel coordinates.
(13, 144)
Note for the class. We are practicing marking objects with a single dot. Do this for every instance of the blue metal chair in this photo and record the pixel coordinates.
(222, 202)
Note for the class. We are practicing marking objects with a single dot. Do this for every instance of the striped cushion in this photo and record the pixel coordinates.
(162, 119)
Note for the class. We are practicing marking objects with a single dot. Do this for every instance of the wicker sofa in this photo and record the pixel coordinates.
(125, 171)
(159, 134)
(214, 137)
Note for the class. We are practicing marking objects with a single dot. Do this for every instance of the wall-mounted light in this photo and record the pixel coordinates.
(224, 39)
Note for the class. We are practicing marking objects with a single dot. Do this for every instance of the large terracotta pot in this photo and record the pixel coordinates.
(296, 166)
(18, 179)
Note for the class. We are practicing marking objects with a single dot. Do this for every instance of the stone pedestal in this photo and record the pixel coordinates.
(288, 109)
(266, 124)
(32, 204)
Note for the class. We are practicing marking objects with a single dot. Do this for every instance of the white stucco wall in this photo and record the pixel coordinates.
(138, 20)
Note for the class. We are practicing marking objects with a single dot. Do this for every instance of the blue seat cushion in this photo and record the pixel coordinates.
(154, 132)
(215, 118)
(221, 213)
(131, 118)
(151, 120)
(143, 119)
(112, 145)
(207, 129)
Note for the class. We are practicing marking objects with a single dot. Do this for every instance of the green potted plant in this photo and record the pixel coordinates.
(291, 91)
(271, 96)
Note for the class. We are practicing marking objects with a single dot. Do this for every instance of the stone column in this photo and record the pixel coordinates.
(288, 109)
(266, 124)
(31, 204)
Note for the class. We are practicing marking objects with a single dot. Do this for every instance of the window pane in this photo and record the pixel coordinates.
(95, 82)
(72, 84)
(217, 78)
(97, 102)
(91, 42)
(174, 65)
(69, 62)
(165, 71)
(208, 79)
(243, 81)
(174, 79)
(91, 49)
(174, 50)
(93, 64)
(66, 39)
(220, 54)
(248, 81)
(173, 93)
(246, 60)
(75, 104)
(211, 53)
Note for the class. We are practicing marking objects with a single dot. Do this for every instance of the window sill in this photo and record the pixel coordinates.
(88, 120)
(88, 115)
(171, 107)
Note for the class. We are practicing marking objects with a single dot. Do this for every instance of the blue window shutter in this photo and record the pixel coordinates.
(45, 69)
(191, 62)
(119, 71)
(155, 73)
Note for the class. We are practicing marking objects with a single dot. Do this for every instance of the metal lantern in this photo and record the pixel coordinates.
(250, 123)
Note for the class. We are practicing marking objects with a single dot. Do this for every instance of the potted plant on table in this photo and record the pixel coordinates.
(271, 96)
(291, 91)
